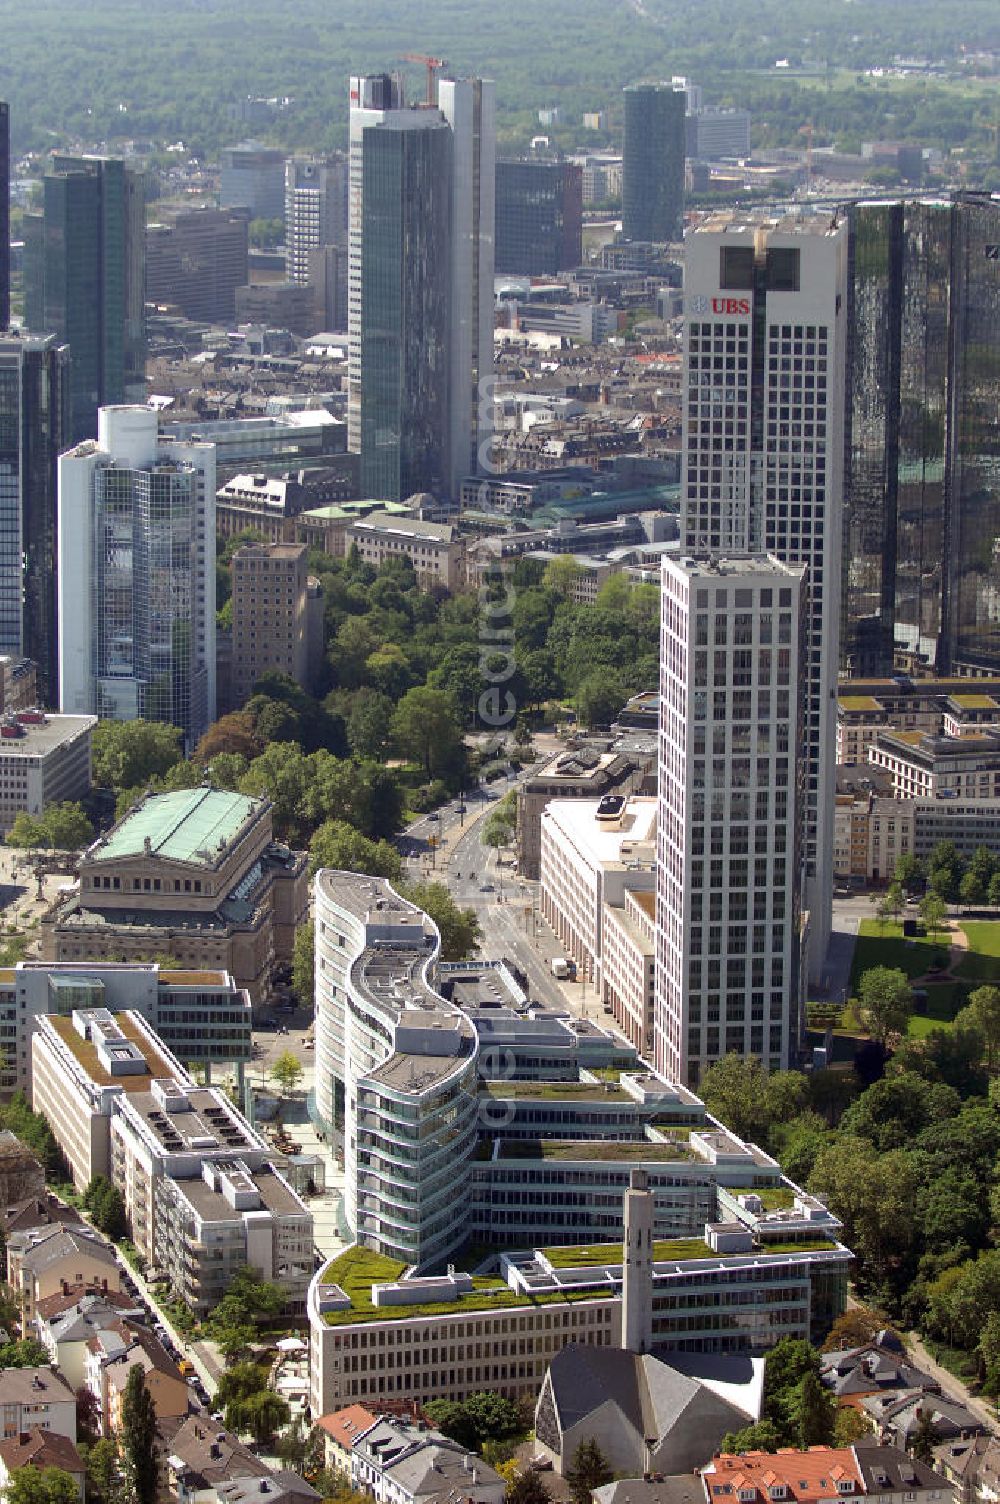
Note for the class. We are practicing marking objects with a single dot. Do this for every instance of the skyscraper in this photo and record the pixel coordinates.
(730, 800)
(84, 280)
(4, 215)
(922, 487)
(34, 427)
(765, 312)
(653, 162)
(315, 210)
(539, 217)
(137, 575)
(420, 285)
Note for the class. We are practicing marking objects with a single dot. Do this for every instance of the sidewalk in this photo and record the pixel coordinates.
(950, 1386)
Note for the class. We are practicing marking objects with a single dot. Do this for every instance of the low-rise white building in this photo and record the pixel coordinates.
(44, 759)
(36, 1397)
(433, 548)
(592, 852)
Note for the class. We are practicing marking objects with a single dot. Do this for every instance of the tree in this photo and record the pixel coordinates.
(600, 697)
(934, 912)
(855, 1327)
(262, 1414)
(874, 1195)
(561, 575)
(286, 1072)
(304, 963)
(812, 1412)
(106, 1205)
(886, 1001)
(240, 1382)
(369, 723)
(982, 1013)
(733, 1090)
(235, 1342)
(588, 1470)
(42, 1485)
(232, 735)
(24, 1353)
(451, 1417)
(337, 844)
(763, 1436)
(849, 1426)
(493, 1415)
(426, 728)
(498, 827)
(138, 1441)
(88, 1412)
(925, 1437)
(895, 900)
(27, 832)
(103, 1470)
(459, 928)
(972, 889)
(128, 753)
(909, 872)
(528, 1488)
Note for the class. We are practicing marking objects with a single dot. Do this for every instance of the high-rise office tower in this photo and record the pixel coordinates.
(922, 484)
(315, 210)
(653, 162)
(730, 800)
(4, 215)
(539, 217)
(84, 279)
(252, 177)
(420, 298)
(137, 575)
(765, 314)
(34, 427)
(197, 261)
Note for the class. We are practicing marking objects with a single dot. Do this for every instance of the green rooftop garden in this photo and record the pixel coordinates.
(803, 1245)
(776, 1198)
(601, 1254)
(567, 1091)
(606, 1151)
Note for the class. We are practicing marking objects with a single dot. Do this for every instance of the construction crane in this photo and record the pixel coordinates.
(433, 66)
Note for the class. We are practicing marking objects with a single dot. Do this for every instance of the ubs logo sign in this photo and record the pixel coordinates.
(699, 304)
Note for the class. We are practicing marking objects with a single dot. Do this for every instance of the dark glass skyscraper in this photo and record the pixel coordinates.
(653, 162)
(84, 280)
(539, 217)
(4, 215)
(34, 424)
(922, 475)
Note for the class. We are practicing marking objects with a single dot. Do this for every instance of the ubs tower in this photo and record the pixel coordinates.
(922, 492)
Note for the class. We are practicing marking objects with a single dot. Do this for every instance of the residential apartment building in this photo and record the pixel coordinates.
(34, 428)
(394, 1062)
(591, 854)
(539, 217)
(66, 1324)
(43, 1261)
(763, 447)
(44, 759)
(433, 548)
(136, 584)
(196, 875)
(391, 1462)
(653, 162)
(822, 1473)
(271, 615)
(200, 1191)
(196, 261)
(728, 916)
(31, 1397)
(41, 1449)
(112, 1353)
(421, 223)
(84, 280)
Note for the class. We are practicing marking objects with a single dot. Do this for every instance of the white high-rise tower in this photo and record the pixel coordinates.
(765, 313)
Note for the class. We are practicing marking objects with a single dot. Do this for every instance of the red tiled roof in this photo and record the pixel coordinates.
(804, 1477)
(343, 1426)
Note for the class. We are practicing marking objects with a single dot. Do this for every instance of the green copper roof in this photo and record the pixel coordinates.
(184, 827)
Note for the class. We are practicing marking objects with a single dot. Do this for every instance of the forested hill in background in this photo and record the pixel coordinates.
(67, 66)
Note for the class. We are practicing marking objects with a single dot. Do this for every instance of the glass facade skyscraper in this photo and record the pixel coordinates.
(539, 217)
(34, 426)
(4, 215)
(653, 162)
(137, 607)
(84, 279)
(922, 573)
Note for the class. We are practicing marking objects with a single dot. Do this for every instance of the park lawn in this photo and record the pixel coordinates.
(881, 944)
(981, 962)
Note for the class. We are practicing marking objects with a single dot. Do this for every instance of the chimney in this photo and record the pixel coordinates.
(637, 1273)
